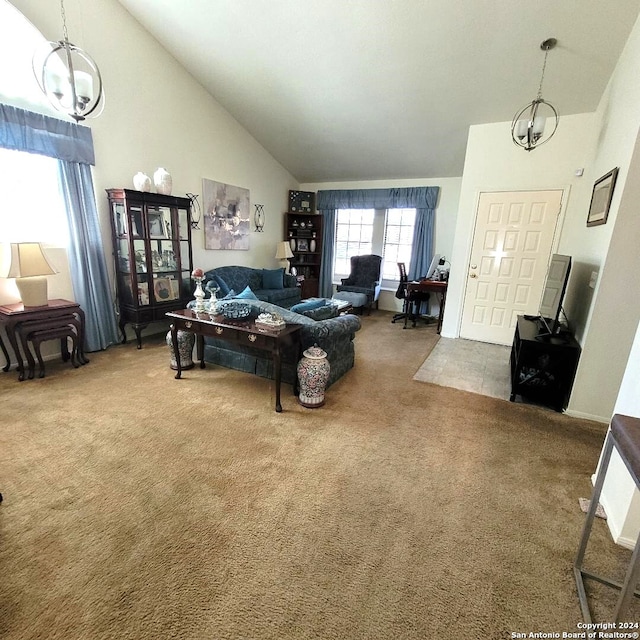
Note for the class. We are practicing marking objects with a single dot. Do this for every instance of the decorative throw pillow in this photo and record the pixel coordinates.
(273, 278)
(308, 305)
(247, 294)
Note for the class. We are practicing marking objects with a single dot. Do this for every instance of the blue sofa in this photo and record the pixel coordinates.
(333, 335)
(270, 285)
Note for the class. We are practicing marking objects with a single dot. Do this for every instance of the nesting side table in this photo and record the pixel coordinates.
(57, 318)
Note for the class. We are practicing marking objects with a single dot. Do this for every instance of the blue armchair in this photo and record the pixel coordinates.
(364, 278)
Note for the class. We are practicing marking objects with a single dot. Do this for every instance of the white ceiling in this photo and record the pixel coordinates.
(375, 89)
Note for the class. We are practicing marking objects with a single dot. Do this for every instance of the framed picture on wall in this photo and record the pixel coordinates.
(601, 198)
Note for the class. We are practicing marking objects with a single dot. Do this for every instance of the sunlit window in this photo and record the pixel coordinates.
(384, 232)
(354, 237)
(32, 207)
(398, 241)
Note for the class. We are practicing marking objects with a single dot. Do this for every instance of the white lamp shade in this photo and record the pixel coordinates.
(538, 125)
(28, 259)
(283, 251)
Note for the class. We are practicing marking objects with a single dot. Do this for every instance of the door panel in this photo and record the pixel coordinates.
(511, 247)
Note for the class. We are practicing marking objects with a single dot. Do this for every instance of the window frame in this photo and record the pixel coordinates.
(378, 244)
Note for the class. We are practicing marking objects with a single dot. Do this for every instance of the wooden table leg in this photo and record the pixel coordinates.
(11, 335)
(24, 340)
(81, 327)
(6, 355)
(176, 351)
(200, 349)
(277, 366)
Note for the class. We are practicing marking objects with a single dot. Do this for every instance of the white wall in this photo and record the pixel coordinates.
(616, 311)
(620, 498)
(613, 341)
(494, 163)
(156, 114)
(446, 212)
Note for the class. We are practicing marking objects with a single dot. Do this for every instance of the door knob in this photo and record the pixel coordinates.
(473, 266)
(473, 275)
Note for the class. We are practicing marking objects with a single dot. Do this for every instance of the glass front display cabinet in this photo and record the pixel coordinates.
(153, 257)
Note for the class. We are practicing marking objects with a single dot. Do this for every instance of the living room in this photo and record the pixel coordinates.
(157, 114)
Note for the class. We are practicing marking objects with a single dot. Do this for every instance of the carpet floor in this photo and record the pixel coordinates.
(142, 507)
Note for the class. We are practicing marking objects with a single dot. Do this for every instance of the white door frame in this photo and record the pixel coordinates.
(566, 190)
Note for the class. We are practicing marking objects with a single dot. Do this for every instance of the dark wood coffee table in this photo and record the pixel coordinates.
(238, 331)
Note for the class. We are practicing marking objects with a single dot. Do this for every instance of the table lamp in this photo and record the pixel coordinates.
(29, 266)
(283, 253)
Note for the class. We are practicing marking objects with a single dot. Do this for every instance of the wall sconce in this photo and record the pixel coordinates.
(528, 124)
(29, 266)
(258, 217)
(196, 211)
(69, 77)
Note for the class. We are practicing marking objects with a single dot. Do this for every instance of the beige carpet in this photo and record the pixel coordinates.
(142, 507)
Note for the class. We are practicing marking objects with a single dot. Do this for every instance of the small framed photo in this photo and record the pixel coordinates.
(143, 293)
(156, 225)
(303, 245)
(601, 198)
(163, 290)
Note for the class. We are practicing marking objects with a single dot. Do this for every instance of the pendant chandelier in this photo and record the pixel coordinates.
(528, 126)
(69, 77)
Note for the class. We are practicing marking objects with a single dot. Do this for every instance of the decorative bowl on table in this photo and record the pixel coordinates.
(235, 309)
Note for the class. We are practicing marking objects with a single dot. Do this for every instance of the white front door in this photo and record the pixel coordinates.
(512, 243)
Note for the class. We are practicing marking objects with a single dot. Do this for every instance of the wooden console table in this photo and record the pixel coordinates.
(42, 323)
(239, 331)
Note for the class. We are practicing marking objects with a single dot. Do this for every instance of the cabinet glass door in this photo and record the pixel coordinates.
(135, 221)
(140, 256)
(159, 223)
(183, 224)
(122, 254)
(120, 219)
(163, 256)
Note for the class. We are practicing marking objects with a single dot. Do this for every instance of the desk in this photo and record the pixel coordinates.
(429, 286)
(241, 331)
(19, 322)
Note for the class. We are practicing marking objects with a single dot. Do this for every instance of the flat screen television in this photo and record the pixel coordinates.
(553, 294)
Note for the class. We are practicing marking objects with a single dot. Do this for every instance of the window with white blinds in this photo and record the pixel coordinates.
(384, 232)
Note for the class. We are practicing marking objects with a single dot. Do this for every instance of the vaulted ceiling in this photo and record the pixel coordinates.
(376, 89)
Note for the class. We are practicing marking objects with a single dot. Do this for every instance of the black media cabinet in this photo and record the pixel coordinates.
(542, 368)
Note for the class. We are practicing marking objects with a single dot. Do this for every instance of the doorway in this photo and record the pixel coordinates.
(512, 243)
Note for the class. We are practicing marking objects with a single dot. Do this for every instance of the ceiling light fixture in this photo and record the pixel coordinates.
(69, 77)
(527, 128)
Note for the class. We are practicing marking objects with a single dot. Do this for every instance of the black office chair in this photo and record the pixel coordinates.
(412, 302)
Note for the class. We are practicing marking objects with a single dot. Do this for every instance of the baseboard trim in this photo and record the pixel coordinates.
(587, 416)
(614, 529)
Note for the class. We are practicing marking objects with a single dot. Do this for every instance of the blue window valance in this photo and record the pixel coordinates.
(22, 130)
(410, 197)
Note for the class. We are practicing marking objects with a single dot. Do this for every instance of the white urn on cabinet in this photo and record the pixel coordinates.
(141, 182)
(162, 181)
